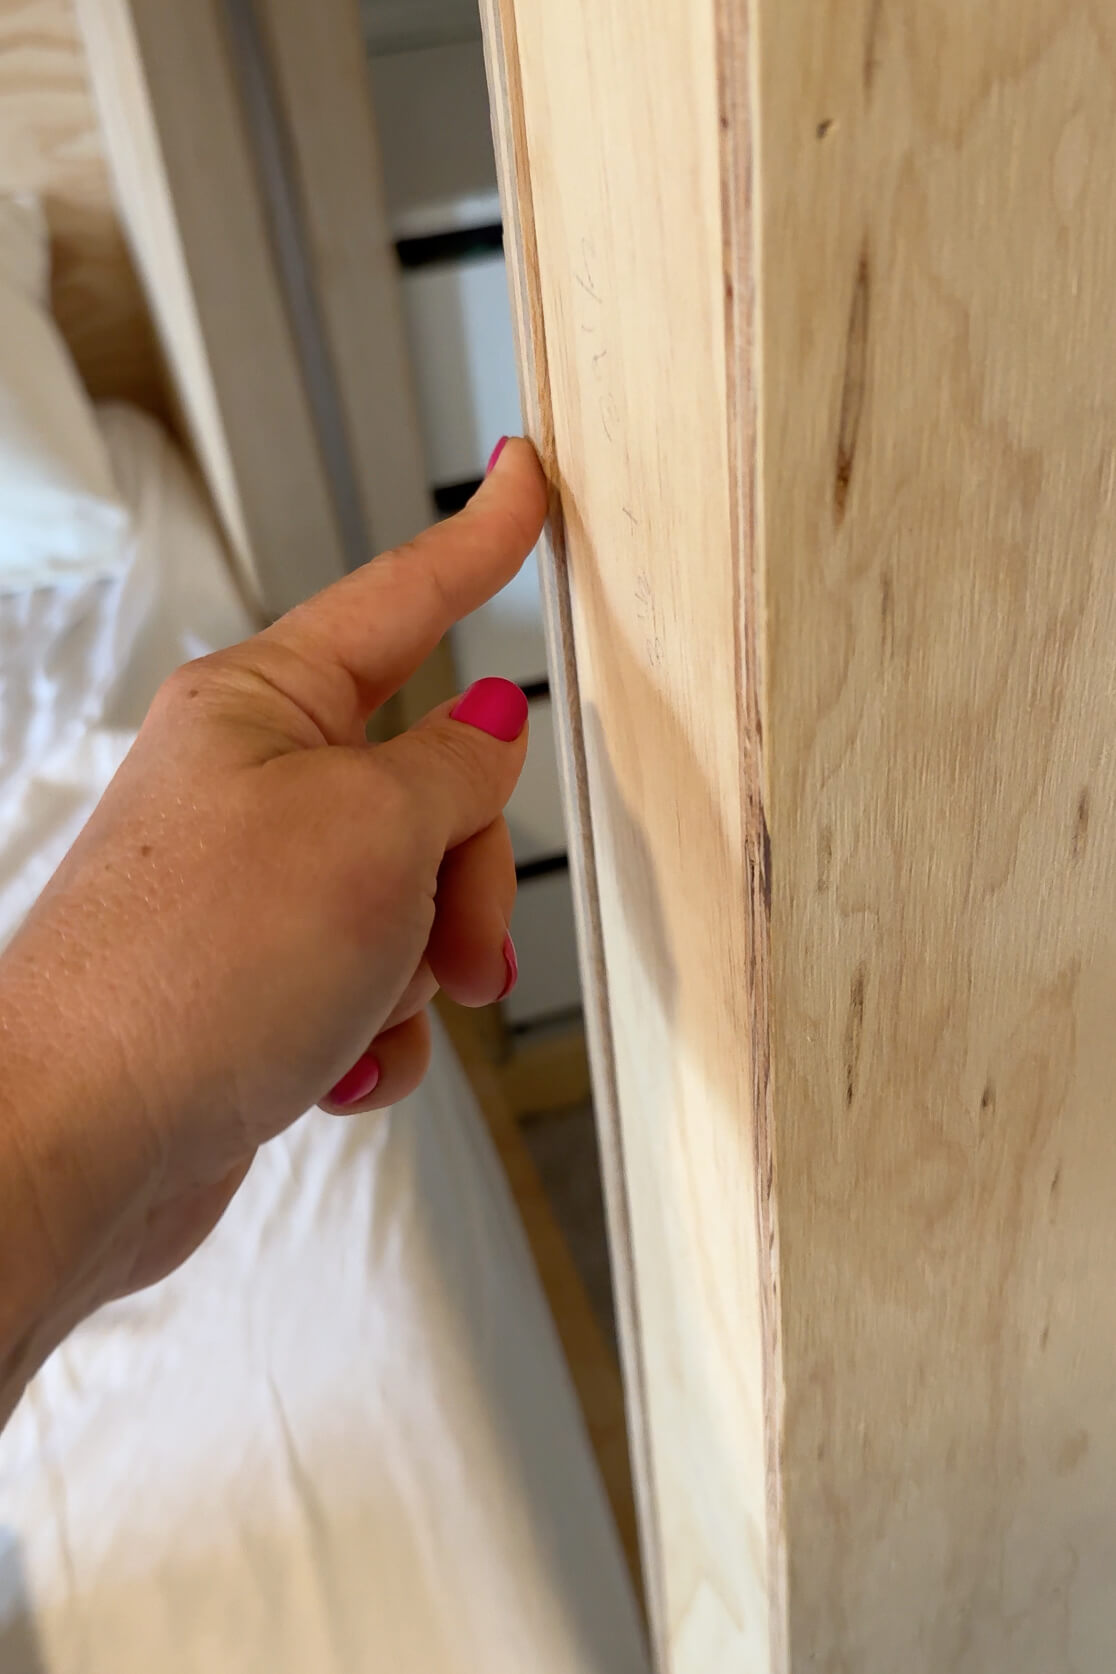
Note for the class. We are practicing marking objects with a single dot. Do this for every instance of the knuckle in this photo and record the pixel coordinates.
(460, 751)
(423, 559)
(185, 684)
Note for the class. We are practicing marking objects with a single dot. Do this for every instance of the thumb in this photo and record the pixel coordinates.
(461, 762)
(356, 643)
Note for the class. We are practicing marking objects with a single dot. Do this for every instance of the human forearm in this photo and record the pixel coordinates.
(70, 1164)
(253, 921)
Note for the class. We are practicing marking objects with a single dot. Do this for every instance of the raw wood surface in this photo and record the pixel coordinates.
(622, 334)
(838, 510)
(50, 144)
(939, 437)
(509, 132)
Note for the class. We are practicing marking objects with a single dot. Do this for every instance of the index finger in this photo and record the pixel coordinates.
(379, 623)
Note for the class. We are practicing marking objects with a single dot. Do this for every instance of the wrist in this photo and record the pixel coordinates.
(73, 1163)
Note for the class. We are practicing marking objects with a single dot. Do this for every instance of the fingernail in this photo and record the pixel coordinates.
(495, 706)
(494, 455)
(358, 1082)
(511, 966)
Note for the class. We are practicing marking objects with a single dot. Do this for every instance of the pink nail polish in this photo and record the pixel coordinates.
(494, 455)
(495, 706)
(511, 966)
(358, 1082)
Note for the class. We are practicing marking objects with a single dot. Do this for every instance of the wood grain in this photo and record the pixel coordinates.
(628, 310)
(505, 78)
(940, 534)
(819, 321)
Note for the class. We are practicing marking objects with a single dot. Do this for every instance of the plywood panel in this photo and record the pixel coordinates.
(814, 302)
(622, 311)
(940, 444)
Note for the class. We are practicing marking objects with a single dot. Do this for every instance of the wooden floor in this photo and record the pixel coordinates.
(587, 1341)
(563, 1147)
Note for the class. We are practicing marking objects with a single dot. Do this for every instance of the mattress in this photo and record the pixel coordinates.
(342, 1437)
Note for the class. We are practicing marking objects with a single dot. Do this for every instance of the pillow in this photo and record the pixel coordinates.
(25, 247)
(81, 661)
(59, 513)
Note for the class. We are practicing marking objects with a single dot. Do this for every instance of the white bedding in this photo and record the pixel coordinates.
(342, 1437)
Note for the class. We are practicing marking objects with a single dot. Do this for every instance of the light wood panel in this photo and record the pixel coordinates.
(941, 588)
(814, 310)
(618, 245)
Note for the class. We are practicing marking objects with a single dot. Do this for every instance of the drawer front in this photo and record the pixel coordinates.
(543, 930)
(463, 358)
(534, 813)
(506, 635)
(435, 135)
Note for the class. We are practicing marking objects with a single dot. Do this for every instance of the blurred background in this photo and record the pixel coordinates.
(256, 328)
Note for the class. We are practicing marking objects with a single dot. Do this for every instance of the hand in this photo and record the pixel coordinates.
(257, 913)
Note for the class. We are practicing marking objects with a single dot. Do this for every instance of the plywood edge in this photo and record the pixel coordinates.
(738, 122)
(509, 136)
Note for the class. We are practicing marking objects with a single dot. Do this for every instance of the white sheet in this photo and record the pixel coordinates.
(342, 1437)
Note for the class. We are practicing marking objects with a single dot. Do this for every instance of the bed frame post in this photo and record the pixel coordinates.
(814, 311)
(246, 163)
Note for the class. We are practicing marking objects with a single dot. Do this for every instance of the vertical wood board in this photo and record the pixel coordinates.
(631, 307)
(823, 295)
(939, 458)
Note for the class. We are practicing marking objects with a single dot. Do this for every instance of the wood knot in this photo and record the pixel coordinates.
(854, 1032)
(852, 388)
(1081, 825)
